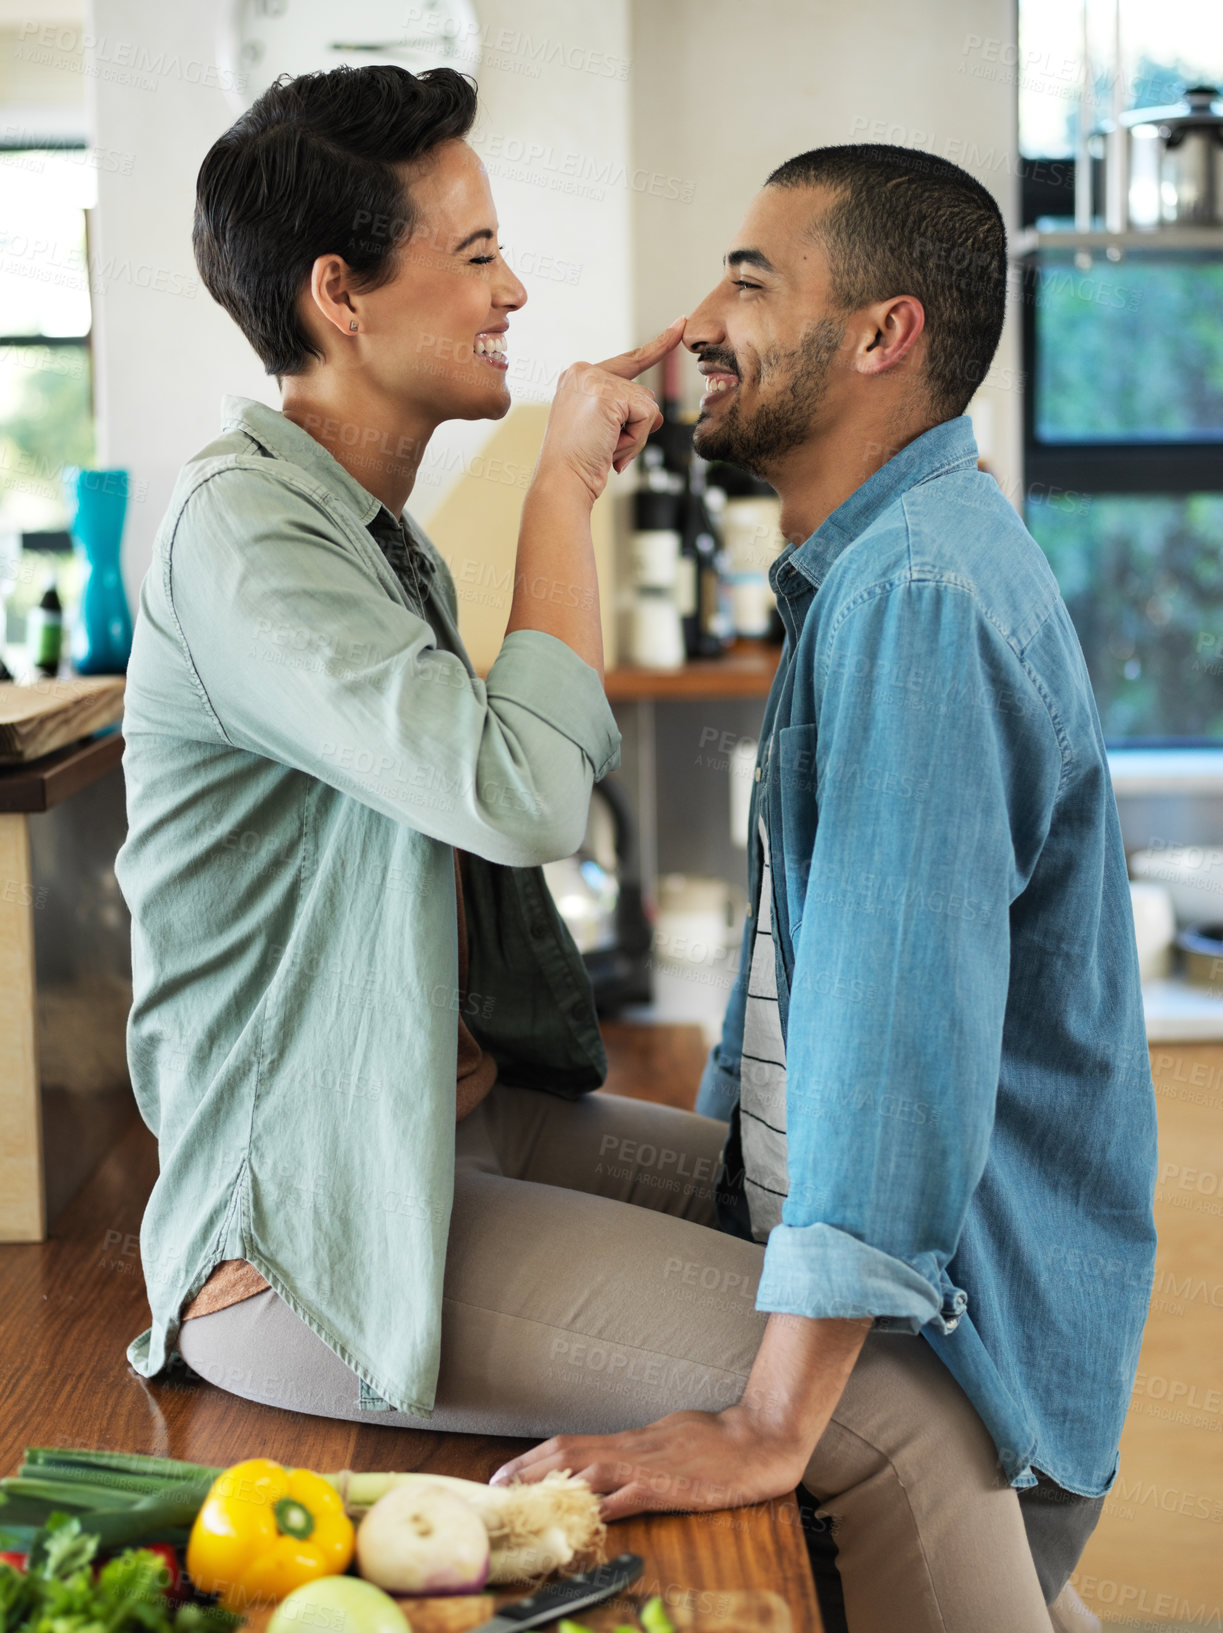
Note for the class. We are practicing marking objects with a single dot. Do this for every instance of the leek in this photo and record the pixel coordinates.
(547, 1525)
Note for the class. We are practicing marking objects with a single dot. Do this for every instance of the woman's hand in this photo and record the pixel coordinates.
(600, 417)
(688, 1460)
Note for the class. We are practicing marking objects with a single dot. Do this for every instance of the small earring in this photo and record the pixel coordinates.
(353, 324)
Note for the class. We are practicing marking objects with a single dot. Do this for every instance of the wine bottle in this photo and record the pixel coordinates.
(656, 629)
(710, 630)
(674, 435)
(751, 542)
(45, 631)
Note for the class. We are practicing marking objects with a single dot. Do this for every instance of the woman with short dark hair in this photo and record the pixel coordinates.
(361, 1030)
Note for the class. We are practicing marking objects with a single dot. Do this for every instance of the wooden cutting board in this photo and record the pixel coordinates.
(38, 718)
(747, 1610)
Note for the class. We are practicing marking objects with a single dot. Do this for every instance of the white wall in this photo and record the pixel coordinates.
(723, 93)
(553, 131)
(42, 94)
(164, 352)
(552, 120)
(616, 195)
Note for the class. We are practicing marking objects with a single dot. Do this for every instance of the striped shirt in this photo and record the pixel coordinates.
(762, 1081)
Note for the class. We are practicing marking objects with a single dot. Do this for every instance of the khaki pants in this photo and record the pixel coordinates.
(588, 1290)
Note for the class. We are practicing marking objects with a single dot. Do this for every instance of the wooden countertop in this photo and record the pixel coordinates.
(747, 670)
(73, 1303)
(37, 785)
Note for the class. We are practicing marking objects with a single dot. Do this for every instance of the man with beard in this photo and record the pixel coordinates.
(934, 1063)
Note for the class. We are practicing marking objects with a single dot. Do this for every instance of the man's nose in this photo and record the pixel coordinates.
(703, 327)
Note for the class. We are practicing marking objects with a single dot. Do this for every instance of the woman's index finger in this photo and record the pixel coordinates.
(628, 365)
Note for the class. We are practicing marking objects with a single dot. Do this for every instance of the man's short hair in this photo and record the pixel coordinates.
(307, 171)
(904, 222)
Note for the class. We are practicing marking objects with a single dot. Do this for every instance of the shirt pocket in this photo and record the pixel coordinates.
(799, 817)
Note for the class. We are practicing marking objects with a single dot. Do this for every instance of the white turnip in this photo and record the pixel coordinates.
(533, 1527)
(422, 1538)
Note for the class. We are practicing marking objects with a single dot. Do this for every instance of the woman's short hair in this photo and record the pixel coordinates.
(307, 171)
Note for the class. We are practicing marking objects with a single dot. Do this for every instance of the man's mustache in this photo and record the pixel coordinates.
(719, 359)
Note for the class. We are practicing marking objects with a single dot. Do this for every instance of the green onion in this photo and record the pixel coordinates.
(119, 1497)
(654, 1617)
(69, 1475)
(70, 1494)
(137, 1465)
(157, 1519)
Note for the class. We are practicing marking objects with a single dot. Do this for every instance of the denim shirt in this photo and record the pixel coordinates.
(971, 1118)
(305, 745)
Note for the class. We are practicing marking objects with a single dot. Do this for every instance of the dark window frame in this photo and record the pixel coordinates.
(1137, 467)
(56, 542)
(55, 144)
(1155, 469)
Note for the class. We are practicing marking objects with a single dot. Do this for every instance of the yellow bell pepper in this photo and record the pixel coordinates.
(264, 1530)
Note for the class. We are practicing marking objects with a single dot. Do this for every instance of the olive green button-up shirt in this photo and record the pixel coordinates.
(305, 746)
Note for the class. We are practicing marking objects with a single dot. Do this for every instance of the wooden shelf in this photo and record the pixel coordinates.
(747, 670)
(1116, 245)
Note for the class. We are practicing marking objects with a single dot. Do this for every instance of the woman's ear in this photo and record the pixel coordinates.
(330, 293)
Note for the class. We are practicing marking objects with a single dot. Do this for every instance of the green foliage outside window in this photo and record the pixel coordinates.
(1132, 350)
(1143, 580)
(46, 422)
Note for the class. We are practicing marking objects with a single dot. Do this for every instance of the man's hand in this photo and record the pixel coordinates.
(600, 418)
(687, 1460)
(748, 1453)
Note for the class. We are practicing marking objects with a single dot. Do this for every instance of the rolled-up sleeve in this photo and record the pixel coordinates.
(299, 654)
(934, 766)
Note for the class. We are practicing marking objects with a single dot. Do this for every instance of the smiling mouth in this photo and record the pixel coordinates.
(718, 383)
(491, 349)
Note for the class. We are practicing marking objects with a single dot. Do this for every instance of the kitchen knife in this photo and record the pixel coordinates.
(570, 1594)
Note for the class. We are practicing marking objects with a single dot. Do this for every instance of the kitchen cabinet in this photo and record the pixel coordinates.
(1155, 1555)
(64, 979)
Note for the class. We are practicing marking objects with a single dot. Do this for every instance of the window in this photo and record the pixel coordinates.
(1165, 45)
(1124, 406)
(1143, 580)
(46, 398)
(1130, 353)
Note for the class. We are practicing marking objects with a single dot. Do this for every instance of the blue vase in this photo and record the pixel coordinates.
(102, 630)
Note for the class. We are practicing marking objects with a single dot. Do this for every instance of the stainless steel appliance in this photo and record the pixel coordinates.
(598, 893)
(1165, 164)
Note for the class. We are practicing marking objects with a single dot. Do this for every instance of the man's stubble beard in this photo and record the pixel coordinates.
(784, 421)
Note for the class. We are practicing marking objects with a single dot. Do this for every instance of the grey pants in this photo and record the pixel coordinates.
(588, 1290)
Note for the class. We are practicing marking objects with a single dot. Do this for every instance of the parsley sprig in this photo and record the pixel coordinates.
(59, 1593)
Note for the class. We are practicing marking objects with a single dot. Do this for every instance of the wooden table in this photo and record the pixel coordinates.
(73, 1303)
(26, 790)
